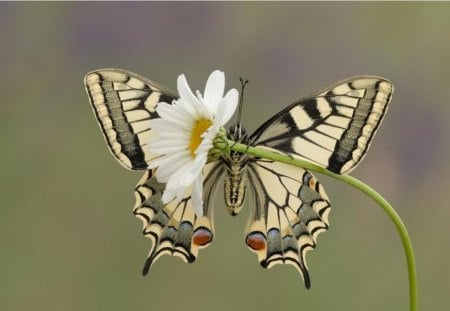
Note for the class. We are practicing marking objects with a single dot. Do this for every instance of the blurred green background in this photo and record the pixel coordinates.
(68, 238)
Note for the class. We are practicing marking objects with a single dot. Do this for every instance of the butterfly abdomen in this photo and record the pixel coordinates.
(234, 189)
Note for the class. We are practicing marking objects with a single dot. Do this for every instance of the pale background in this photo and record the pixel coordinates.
(68, 238)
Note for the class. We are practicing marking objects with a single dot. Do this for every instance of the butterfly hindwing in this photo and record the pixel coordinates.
(124, 103)
(291, 208)
(332, 127)
(174, 228)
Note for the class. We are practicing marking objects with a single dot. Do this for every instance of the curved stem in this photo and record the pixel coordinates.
(388, 209)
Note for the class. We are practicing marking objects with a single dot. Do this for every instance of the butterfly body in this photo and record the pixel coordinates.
(236, 164)
(289, 209)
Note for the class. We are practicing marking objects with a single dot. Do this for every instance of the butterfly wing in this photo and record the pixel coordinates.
(291, 209)
(124, 103)
(174, 228)
(333, 127)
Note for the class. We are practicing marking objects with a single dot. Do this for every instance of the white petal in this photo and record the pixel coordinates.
(181, 180)
(166, 149)
(199, 95)
(164, 132)
(200, 161)
(178, 178)
(227, 107)
(169, 140)
(188, 108)
(185, 91)
(197, 196)
(175, 157)
(189, 177)
(195, 111)
(164, 174)
(211, 133)
(205, 145)
(160, 125)
(214, 90)
(180, 193)
(168, 195)
(174, 160)
(172, 114)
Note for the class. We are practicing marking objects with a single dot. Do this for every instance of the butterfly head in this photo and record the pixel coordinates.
(238, 133)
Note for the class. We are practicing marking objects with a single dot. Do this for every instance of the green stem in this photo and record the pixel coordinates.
(389, 210)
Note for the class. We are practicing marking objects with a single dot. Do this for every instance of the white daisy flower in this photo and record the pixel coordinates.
(185, 132)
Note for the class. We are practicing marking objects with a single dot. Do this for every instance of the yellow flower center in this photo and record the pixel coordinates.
(196, 136)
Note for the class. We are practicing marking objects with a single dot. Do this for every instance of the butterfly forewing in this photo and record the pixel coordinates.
(124, 103)
(333, 127)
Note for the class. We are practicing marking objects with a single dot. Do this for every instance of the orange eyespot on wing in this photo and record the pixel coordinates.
(174, 228)
(256, 241)
(291, 209)
(202, 236)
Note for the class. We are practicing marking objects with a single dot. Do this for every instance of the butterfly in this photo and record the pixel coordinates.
(332, 128)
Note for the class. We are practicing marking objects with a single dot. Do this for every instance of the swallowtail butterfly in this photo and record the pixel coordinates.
(332, 128)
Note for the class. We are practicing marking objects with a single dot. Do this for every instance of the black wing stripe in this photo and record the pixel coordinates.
(124, 104)
(333, 127)
(117, 124)
(350, 140)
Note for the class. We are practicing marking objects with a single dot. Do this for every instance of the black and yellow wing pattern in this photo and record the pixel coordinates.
(174, 228)
(332, 128)
(124, 104)
(291, 209)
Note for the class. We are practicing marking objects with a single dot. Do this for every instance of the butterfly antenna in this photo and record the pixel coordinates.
(241, 98)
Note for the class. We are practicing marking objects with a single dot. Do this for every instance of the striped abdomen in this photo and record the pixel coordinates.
(235, 188)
